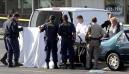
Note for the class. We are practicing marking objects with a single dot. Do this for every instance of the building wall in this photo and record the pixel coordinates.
(89, 3)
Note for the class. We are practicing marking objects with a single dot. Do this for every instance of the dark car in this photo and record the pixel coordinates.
(115, 51)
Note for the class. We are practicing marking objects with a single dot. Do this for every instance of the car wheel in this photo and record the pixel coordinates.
(113, 61)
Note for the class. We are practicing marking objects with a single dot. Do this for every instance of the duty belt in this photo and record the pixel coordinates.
(94, 38)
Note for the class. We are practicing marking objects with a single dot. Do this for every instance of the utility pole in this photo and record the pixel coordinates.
(6, 7)
(125, 10)
(22, 2)
(35, 4)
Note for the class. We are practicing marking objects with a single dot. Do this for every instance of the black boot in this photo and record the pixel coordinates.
(10, 65)
(4, 62)
(72, 66)
(55, 65)
(47, 65)
(18, 64)
(65, 65)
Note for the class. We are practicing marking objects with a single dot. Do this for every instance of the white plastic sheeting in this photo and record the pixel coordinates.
(32, 48)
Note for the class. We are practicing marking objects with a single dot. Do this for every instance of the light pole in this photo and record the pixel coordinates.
(33, 5)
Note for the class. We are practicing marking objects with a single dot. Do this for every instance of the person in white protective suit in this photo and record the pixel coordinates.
(81, 29)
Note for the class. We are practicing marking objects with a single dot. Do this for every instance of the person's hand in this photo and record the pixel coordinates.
(21, 28)
(40, 28)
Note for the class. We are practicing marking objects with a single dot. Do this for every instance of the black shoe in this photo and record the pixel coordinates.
(18, 64)
(10, 65)
(95, 68)
(64, 66)
(4, 62)
(47, 65)
(72, 66)
(87, 68)
(56, 67)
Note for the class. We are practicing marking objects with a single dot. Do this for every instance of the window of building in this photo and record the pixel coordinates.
(45, 3)
(27, 3)
(24, 3)
(25, 6)
(115, 6)
(52, 3)
(2, 6)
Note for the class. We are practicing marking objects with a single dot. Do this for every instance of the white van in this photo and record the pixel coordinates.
(32, 42)
(40, 16)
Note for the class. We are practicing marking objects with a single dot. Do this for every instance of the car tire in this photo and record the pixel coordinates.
(114, 62)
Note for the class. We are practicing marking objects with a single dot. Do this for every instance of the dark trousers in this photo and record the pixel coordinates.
(67, 50)
(13, 49)
(5, 55)
(51, 46)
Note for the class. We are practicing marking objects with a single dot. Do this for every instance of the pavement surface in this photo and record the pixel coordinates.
(78, 70)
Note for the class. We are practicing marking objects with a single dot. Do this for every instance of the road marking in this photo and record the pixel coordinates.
(97, 72)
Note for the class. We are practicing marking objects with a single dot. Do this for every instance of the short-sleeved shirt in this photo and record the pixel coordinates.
(51, 30)
(66, 31)
(96, 30)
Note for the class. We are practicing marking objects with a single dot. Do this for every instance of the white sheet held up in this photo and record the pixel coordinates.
(32, 48)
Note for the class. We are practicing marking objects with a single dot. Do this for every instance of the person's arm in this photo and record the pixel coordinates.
(74, 31)
(87, 36)
(42, 27)
(88, 31)
(20, 29)
(106, 24)
(77, 29)
(118, 28)
(103, 33)
(60, 30)
(14, 28)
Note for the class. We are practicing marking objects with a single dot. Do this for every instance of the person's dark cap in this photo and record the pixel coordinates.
(16, 15)
(65, 17)
(52, 17)
(9, 15)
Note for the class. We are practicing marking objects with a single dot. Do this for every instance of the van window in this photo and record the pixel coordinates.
(44, 16)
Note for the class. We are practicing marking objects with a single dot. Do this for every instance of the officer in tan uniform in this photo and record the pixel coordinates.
(94, 34)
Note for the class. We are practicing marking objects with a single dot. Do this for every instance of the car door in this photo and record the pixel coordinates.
(123, 45)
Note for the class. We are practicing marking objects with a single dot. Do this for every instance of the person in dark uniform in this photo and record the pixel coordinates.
(51, 31)
(107, 24)
(67, 32)
(12, 34)
(4, 58)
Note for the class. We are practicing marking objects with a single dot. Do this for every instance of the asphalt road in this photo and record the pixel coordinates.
(23, 70)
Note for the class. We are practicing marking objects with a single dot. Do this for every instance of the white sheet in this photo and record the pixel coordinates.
(32, 48)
